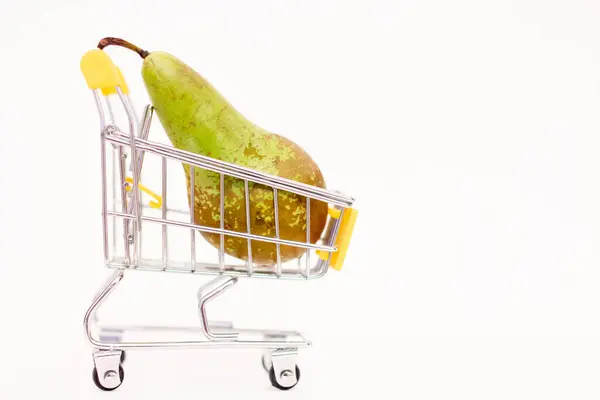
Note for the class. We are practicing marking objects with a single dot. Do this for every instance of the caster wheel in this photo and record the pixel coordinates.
(99, 385)
(277, 385)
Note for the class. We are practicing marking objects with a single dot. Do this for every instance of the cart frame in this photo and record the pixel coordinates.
(130, 213)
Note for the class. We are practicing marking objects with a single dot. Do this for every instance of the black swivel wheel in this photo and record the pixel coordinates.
(100, 386)
(277, 385)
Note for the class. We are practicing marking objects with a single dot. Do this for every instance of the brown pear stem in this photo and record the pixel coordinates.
(108, 41)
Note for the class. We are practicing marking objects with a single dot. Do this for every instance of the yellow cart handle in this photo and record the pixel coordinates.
(101, 73)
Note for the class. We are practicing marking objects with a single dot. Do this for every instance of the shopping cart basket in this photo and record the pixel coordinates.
(125, 155)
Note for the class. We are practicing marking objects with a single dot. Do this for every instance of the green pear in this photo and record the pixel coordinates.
(197, 118)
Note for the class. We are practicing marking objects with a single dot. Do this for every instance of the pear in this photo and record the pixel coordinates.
(198, 119)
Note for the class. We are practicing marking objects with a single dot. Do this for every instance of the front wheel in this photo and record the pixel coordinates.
(285, 376)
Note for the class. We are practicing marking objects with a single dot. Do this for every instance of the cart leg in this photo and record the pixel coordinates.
(284, 372)
(108, 373)
(90, 315)
(206, 293)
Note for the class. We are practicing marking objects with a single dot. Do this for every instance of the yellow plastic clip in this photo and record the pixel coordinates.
(343, 237)
(156, 203)
(99, 70)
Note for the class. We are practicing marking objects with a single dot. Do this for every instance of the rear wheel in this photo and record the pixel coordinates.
(97, 382)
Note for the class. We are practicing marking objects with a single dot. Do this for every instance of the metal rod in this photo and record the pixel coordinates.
(165, 256)
(259, 342)
(137, 122)
(235, 170)
(336, 227)
(208, 292)
(111, 114)
(138, 247)
(276, 207)
(167, 328)
(213, 269)
(192, 213)
(120, 155)
(144, 132)
(122, 184)
(114, 195)
(100, 109)
(222, 220)
(98, 103)
(334, 232)
(307, 267)
(104, 201)
(227, 232)
(136, 172)
(248, 227)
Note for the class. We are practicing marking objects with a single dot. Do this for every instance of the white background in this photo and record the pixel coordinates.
(468, 132)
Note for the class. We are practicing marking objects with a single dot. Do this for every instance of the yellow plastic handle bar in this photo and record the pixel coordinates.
(343, 237)
(122, 84)
(156, 203)
(100, 72)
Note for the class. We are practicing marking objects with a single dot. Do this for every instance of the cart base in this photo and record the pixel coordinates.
(280, 347)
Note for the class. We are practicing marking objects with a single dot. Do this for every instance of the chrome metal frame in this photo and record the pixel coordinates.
(280, 346)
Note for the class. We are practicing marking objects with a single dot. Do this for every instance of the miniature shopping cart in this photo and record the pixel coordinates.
(126, 215)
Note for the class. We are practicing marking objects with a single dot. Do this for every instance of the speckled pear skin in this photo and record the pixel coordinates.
(197, 118)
